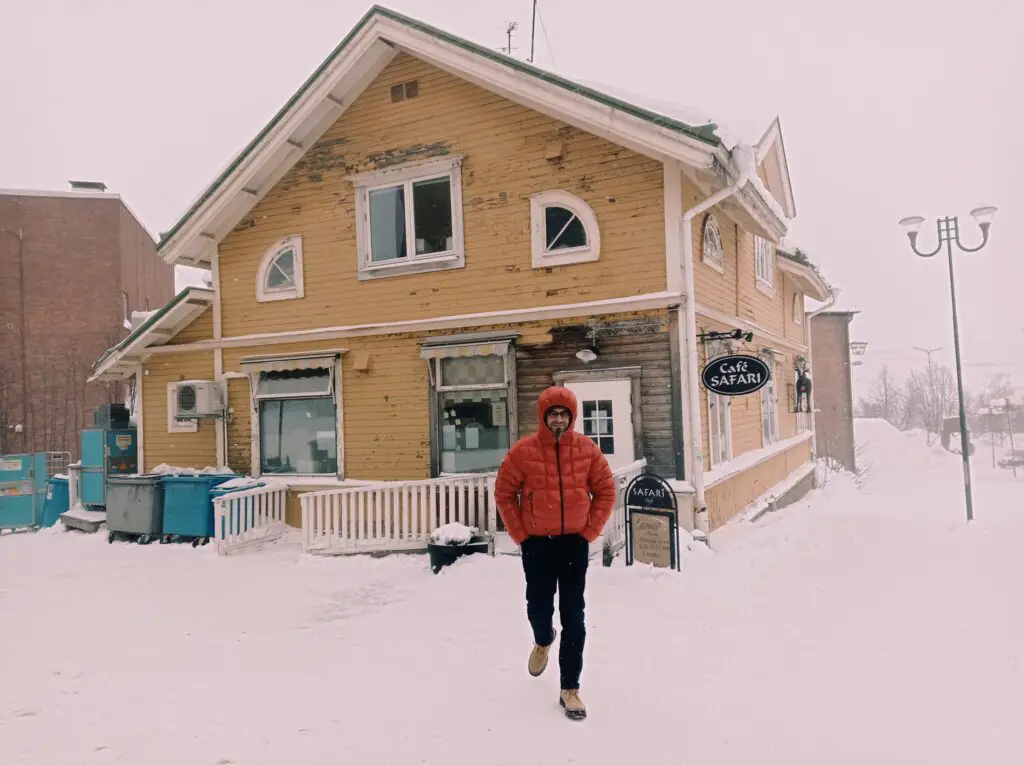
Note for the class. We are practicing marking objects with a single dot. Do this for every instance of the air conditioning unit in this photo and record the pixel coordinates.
(198, 399)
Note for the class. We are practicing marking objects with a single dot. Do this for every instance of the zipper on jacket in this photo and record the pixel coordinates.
(561, 489)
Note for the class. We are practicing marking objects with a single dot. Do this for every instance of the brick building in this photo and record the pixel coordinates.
(833, 387)
(73, 266)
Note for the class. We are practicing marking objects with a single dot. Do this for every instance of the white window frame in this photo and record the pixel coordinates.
(798, 308)
(175, 426)
(770, 406)
(764, 265)
(720, 448)
(255, 458)
(543, 258)
(406, 175)
(293, 291)
(711, 231)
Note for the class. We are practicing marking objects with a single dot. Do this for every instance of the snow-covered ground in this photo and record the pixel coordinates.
(867, 624)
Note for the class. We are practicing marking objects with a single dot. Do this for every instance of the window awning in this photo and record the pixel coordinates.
(311, 361)
(467, 344)
(472, 349)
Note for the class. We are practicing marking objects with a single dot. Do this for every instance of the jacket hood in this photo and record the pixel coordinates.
(554, 396)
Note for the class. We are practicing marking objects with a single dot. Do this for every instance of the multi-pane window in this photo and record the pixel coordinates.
(473, 412)
(720, 428)
(770, 412)
(564, 228)
(711, 243)
(409, 218)
(280, 274)
(597, 421)
(763, 263)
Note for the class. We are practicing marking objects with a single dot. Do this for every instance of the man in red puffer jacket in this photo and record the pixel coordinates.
(555, 493)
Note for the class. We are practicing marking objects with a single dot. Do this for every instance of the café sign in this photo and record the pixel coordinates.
(735, 375)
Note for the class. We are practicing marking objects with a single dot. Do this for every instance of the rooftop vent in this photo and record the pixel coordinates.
(88, 186)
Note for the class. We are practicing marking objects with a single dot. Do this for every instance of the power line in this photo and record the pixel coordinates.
(547, 42)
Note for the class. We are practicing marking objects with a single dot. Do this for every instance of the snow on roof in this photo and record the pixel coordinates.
(732, 132)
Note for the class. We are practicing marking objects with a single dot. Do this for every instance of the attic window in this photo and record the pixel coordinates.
(280, 273)
(711, 243)
(404, 91)
(564, 230)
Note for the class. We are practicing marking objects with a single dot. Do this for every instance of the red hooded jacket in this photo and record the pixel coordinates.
(535, 498)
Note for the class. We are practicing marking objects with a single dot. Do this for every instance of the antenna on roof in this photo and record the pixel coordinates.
(510, 27)
(533, 30)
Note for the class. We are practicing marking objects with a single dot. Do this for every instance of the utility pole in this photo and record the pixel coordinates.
(931, 387)
(533, 29)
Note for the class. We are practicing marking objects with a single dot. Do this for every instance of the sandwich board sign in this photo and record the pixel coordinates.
(652, 524)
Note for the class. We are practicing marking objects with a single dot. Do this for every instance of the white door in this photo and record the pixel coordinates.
(606, 416)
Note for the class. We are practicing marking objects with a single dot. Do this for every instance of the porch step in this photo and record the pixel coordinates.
(82, 520)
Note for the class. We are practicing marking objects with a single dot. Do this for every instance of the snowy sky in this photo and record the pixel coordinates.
(889, 108)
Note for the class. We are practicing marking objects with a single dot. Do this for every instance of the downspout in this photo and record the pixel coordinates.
(689, 337)
(829, 303)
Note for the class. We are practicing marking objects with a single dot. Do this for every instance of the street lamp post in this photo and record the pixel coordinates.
(949, 232)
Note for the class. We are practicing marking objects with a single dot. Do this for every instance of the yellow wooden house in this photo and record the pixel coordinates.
(424, 237)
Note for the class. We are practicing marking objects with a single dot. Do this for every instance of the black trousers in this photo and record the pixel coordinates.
(550, 564)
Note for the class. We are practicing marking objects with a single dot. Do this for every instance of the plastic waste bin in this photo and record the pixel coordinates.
(58, 500)
(135, 508)
(188, 507)
(248, 507)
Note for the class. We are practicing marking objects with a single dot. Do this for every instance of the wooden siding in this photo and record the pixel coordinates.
(201, 328)
(536, 364)
(504, 147)
(746, 410)
(188, 450)
(387, 421)
(733, 289)
(734, 494)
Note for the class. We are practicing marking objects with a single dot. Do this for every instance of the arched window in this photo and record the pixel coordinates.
(280, 272)
(564, 230)
(711, 243)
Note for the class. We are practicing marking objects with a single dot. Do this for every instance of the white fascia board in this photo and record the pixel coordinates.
(368, 55)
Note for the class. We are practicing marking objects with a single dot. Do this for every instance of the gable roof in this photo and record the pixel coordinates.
(160, 328)
(378, 37)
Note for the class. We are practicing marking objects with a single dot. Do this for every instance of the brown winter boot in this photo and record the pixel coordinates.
(574, 707)
(539, 658)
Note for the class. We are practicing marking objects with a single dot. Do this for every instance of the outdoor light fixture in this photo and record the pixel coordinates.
(949, 232)
(858, 347)
(587, 355)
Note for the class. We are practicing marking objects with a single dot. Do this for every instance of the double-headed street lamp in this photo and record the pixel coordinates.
(949, 232)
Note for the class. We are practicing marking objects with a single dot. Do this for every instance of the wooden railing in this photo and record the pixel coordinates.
(394, 515)
(249, 517)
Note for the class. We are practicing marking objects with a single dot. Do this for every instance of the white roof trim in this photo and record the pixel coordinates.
(771, 143)
(345, 78)
(123, 360)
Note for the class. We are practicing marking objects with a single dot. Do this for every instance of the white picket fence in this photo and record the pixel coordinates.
(394, 515)
(249, 517)
(400, 515)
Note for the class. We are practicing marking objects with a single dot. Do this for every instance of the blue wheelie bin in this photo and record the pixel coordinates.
(188, 507)
(58, 500)
(248, 507)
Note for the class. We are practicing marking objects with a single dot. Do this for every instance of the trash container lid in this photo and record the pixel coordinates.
(144, 478)
(198, 477)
